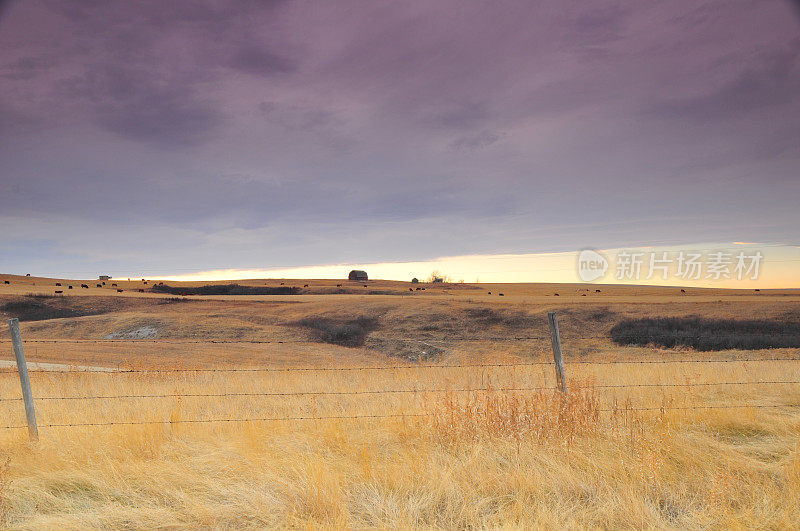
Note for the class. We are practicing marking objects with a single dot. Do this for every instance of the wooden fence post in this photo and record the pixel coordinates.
(557, 357)
(24, 380)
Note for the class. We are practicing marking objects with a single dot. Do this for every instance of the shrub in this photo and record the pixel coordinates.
(707, 334)
(226, 289)
(38, 309)
(345, 332)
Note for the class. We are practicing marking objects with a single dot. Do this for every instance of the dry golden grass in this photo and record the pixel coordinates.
(490, 458)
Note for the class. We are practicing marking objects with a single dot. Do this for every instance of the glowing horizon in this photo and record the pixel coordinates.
(778, 268)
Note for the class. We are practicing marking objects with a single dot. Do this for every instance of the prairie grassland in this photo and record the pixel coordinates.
(496, 458)
(435, 455)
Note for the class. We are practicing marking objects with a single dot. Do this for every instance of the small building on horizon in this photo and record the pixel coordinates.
(415, 280)
(104, 277)
(357, 274)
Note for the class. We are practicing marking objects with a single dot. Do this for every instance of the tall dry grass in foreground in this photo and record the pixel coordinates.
(470, 459)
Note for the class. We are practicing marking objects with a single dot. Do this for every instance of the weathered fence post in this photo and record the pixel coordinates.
(24, 380)
(557, 357)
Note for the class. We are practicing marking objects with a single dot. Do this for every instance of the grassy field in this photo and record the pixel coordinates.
(457, 447)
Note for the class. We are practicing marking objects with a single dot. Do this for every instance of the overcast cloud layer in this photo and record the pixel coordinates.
(170, 136)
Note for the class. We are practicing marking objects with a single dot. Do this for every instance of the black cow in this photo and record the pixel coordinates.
(583, 294)
(490, 293)
(556, 295)
(104, 283)
(119, 291)
(410, 289)
(305, 285)
(69, 287)
(99, 285)
(141, 290)
(6, 282)
(84, 286)
(113, 285)
(501, 294)
(597, 291)
(59, 291)
(683, 291)
(338, 285)
(58, 283)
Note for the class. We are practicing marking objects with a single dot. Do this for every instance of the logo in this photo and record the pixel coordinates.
(591, 265)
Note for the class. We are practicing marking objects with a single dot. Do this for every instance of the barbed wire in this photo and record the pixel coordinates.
(378, 416)
(114, 371)
(403, 391)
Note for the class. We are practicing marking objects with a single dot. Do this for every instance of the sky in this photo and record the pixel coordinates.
(173, 138)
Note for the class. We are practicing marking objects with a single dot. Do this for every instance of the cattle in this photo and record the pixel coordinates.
(365, 285)
(501, 294)
(338, 285)
(423, 289)
(410, 289)
(683, 291)
(305, 285)
(59, 291)
(84, 286)
(99, 285)
(758, 290)
(141, 290)
(144, 281)
(69, 287)
(6, 282)
(417, 289)
(597, 291)
(27, 274)
(556, 295)
(583, 294)
(58, 283)
(104, 283)
(113, 285)
(490, 293)
(119, 291)
(281, 283)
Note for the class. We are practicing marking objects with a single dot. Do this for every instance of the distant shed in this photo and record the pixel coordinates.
(415, 280)
(357, 274)
(104, 277)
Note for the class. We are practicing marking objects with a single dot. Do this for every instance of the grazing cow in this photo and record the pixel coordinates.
(683, 291)
(583, 294)
(99, 285)
(104, 283)
(6, 282)
(556, 295)
(597, 291)
(119, 291)
(85, 286)
(144, 281)
(758, 290)
(113, 285)
(305, 285)
(501, 294)
(141, 290)
(338, 285)
(365, 285)
(59, 291)
(281, 283)
(69, 287)
(490, 293)
(423, 289)
(58, 283)
(410, 289)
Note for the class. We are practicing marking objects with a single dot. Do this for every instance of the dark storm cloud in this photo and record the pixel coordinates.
(262, 121)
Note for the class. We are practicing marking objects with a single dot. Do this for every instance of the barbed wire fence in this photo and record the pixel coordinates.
(558, 364)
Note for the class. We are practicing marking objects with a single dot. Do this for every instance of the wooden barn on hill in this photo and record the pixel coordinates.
(357, 274)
